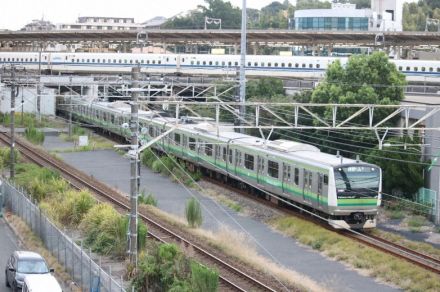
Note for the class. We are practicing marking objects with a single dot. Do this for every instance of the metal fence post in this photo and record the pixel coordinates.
(90, 268)
(73, 261)
(81, 266)
(110, 274)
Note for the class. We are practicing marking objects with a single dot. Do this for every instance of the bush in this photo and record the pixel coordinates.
(33, 135)
(203, 279)
(193, 213)
(5, 153)
(148, 158)
(147, 200)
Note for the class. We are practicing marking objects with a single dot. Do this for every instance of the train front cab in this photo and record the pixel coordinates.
(356, 196)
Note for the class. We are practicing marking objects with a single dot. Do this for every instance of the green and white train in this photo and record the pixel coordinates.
(345, 191)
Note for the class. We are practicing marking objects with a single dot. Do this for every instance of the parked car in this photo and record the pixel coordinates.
(41, 283)
(22, 263)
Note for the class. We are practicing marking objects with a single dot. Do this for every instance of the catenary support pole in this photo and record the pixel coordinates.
(134, 178)
(13, 96)
(243, 51)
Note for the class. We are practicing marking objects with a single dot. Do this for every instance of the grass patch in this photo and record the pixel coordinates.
(230, 204)
(378, 264)
(147, 199)
(396, 214)
(33, 135)
(30, 120)
(96, 142)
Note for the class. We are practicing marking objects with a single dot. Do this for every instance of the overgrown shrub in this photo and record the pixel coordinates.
(33, 135)
(148, 158)
(5, 155)
(105, 231)
(147, 200)
(193, 213)
(203, 279)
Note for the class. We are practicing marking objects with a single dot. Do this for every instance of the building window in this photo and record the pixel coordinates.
(249, 161)
(272, 169)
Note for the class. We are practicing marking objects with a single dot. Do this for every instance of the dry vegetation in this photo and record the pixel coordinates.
(375, 263)
(237, 245)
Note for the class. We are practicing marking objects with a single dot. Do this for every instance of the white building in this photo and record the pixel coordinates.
(101, 23)
(384, 15)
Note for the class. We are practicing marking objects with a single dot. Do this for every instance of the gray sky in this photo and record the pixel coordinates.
(14, 14)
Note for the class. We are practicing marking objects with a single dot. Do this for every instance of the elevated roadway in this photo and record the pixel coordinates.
(280, 37)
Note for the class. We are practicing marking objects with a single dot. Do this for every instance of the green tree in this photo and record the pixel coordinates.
(400, 177)
(264, 88)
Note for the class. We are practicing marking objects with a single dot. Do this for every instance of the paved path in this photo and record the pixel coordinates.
(8, 244)
(113, 169)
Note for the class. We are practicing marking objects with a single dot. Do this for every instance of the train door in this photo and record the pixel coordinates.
(305, 183)
(320, 188)
(286, 177)
(260, 169)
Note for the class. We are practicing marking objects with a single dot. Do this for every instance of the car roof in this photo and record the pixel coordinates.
(42, 282)
(22, 254)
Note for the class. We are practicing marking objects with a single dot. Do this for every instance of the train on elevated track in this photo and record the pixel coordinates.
(346, 192)
(185, 64)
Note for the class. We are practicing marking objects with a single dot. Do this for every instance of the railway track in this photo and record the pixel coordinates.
(423, 260)
(231, 277)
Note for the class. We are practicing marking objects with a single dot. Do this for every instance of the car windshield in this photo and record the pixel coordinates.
(357, 177)
(32, 267)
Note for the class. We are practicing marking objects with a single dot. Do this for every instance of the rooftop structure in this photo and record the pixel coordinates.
(384, 15)
(38, 25)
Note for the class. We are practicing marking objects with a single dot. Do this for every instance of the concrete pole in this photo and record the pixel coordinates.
(39, 85)
(134, 178)
(243, 61)
(13, 95)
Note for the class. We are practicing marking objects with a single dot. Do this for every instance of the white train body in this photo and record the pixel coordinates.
(256, 65)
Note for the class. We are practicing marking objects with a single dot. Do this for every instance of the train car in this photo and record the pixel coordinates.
(226, 65)
(345, 191)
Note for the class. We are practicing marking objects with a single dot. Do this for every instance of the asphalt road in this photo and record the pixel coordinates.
(8, 243)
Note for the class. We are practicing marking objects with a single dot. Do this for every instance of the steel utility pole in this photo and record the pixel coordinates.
(134, 161)
(39, 85)
(13, 96)
(243, 50)
(70, 108)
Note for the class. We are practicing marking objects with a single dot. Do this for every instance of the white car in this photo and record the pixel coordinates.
(41, 283)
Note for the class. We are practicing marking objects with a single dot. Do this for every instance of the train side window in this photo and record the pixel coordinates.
(296, 176)
(224, 154)
(320, 182)
(210, 63)
(276, 65)
(286, 172)
(230, 156)
(325, 179)
(192, 144)
(249, 64)
(249, 161)
(223, 63)
(151, 131)
(177, 138)
(269, 64)
(153, 62)
(204, 63)
(73, 60)
(423, 69)
(289, 65)
(198, 62)
(408, 68)
(416, 69)
(216, 63)
(88, 60)
(438, 69)
(431, 69)
(318, 66)
(310, 65)
(142, 61)
(296, 65)
(262, 64)
(272, 169)
(283, 65)
(159, 62)
(93, 60)
(131, 61)
(306, 178)
(208, 149)
(120, 61)
(310, 179)
(183, 60)
(400, 68)
(256, 64)
(125, 61)
(217, 152)
(303, 65)
(82, 61)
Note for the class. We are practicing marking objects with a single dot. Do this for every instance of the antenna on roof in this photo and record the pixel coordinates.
(357, 158)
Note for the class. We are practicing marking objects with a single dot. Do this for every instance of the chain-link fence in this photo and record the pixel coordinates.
(429, 198)
(86, 273)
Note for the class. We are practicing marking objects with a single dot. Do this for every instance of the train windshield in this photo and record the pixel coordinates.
(362, 179)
